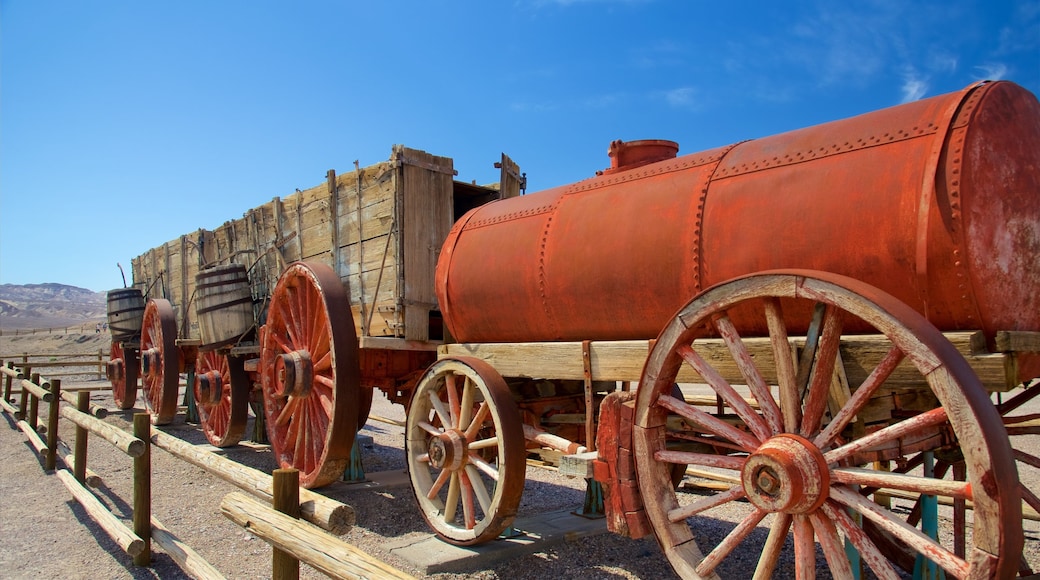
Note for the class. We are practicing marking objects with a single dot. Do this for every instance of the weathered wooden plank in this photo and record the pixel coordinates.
(624, 360)
(329, 555)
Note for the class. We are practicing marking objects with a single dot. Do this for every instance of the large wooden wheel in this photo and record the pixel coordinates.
(122, 371)
(160, 364)
(311, 374)
(221, 392)
(465, 448)
(798, 472)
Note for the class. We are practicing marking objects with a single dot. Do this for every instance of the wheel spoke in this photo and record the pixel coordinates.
(483, 443)
(804, 549)
(822, 372)
(442, 477)
(751, 375)
(833, 551)
(870, 553)
(474, 427)
(774, 544)
(727, 545)
(451, 503)
(860, 398)
(484, 466)
(704, 459)
(426, 426)
(442, 412)
(478, 488)
(468, 512)
(706, 503)
(721, 386)
(469, 391)
(889, 480)
(790, 399)
(910, 536)
(709, 423)
(890, 433)
(453, 401)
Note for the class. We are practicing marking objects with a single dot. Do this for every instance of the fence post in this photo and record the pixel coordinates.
(7, 384)
(80, 454)
(100, 364)
(22, 414)
(52, 426)
(34, 404)
(143, 488)
(286, 499)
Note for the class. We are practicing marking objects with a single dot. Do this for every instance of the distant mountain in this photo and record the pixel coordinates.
(49, 306)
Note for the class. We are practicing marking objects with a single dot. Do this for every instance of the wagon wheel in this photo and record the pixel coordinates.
(159, 361)
(311, 374)
(221, 392)
(123, 365)
(1019, 425)
(461, 410)
(799, 473)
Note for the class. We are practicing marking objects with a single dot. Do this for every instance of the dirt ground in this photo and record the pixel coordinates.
(44, 533)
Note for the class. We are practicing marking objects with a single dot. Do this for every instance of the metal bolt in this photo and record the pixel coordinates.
(767, 481)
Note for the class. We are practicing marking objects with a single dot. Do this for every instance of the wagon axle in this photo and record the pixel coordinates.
(295, 373)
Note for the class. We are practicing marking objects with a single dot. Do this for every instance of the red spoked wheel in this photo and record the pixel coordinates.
(159, 361)
(465, 449)
(122, 371)
(802, 466)
(221, 392)
(311, 374)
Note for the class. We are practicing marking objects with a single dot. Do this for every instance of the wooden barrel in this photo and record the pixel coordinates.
(224, 304)
(125, 311)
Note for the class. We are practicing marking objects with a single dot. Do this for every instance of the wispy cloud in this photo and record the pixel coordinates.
(681, 97)
(914, 86)
(991, 71)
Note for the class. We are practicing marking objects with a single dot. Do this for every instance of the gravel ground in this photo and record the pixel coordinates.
(44, 533)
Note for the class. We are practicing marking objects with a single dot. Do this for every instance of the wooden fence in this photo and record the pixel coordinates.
(279, 526)
(85, 328)
(60, 364)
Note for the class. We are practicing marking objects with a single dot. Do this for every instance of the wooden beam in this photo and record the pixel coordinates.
(122, 440)
(330, 555)
(127, 540)
(188, 559)
(328, 514)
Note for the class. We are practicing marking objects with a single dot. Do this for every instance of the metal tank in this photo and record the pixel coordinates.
(936, 201)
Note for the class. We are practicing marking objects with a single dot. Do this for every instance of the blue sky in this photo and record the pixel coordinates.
(124, 124)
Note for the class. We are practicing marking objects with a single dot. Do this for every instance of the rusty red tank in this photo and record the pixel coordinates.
(935, 201)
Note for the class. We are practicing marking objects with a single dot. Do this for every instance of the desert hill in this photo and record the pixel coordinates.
(49, 306)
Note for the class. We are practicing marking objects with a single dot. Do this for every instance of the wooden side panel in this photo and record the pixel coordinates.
(510, 181)
(379, 227)
(426, 208)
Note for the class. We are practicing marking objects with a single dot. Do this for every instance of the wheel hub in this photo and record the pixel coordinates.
(210, 387)
(448, 450)
(150, 361)
(786, 474)
(114, 369)
(294, 372)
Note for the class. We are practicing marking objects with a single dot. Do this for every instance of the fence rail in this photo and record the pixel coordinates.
(84, 328)
(61, 363)
(292, 541)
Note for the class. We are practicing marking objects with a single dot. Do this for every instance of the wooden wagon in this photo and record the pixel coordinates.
(712, 320)
(354, 255)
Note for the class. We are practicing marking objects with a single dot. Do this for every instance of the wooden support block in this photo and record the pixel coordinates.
(578, 465)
